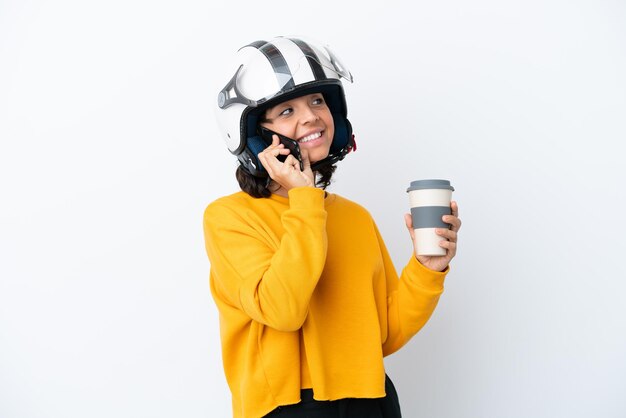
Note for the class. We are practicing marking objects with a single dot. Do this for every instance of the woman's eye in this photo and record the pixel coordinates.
(285, 112)
(318, 100)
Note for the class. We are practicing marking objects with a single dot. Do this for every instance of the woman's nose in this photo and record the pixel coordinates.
(308, 115)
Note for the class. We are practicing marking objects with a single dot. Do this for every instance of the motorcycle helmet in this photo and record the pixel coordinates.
(269, 72)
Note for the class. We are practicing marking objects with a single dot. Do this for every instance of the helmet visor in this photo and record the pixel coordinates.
(278, 68)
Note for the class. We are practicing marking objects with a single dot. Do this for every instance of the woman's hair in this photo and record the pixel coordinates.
(260, 186)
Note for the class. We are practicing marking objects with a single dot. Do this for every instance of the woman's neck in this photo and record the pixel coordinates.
(279, 190)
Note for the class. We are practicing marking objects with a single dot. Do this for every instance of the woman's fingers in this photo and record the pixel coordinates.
(450, 246)
(273, 166)
(291, 164)
(269, 156)
(453, 219)
(287, 173)
(447, 233)
(450, 234)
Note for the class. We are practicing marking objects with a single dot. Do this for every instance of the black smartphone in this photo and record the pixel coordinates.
(289, 143)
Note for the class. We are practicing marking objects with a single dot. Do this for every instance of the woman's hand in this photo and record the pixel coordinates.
(433, 262)
(287, 174)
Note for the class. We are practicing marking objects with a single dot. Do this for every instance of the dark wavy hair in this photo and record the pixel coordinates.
(260, 186)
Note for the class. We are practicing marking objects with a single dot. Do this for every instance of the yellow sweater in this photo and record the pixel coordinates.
(314, 272)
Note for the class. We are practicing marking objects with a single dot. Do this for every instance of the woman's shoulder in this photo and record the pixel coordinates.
(344, 204)
(229, 204)
(235, 199)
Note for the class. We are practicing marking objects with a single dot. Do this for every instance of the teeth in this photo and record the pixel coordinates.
(311, 137)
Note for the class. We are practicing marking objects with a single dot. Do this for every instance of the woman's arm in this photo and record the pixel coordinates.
(267, 276)
(411, 298)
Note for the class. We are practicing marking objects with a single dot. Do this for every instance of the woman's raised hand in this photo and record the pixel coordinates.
(288, 174)
(439, 263)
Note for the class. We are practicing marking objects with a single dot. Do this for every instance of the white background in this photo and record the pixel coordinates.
(109, 154)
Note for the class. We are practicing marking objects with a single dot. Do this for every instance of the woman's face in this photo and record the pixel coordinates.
(308, 120)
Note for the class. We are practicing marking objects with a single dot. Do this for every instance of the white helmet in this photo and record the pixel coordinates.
(270, 72)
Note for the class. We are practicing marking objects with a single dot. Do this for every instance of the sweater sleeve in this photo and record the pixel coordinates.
(270, 278)
(411, 298)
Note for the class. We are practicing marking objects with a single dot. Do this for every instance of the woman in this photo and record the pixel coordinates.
(308, 297)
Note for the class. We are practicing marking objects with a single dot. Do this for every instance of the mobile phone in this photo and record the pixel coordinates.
(290, 144)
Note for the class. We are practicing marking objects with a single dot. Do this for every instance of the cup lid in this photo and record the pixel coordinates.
(430, 184)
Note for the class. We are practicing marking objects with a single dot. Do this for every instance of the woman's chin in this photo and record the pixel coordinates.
(318, 159)
(317, 155)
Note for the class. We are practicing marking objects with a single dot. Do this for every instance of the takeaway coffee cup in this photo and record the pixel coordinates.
(430, 200)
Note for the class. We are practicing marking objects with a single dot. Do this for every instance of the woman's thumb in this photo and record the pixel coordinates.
(305, 159)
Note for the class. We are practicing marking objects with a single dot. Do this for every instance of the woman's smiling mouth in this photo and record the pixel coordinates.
(310, 137)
